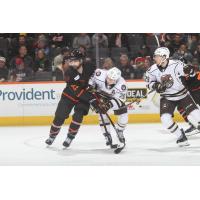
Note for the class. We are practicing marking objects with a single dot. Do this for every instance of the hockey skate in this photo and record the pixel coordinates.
(68, 140)
(121, 139)
(182, 140)
(109, 141)
(191, 131)
(50, 140)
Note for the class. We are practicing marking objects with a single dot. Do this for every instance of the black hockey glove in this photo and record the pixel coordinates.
(188, 70)
(160, 88)
(101, 105)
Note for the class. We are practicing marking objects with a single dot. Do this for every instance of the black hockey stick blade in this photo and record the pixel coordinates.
(114, 146)
(119, 149)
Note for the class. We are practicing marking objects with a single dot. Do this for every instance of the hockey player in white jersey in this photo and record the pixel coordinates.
(165, 78)
(111, 84)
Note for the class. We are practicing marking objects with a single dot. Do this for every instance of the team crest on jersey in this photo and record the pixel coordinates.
(98, 73)
(123, 87)
(167, 80)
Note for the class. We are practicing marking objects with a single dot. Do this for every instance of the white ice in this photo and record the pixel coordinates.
(147, 144)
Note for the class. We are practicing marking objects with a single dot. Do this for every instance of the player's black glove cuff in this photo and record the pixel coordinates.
(160, 88)
(188, 70)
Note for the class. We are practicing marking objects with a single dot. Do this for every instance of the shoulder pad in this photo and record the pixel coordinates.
(152, 68)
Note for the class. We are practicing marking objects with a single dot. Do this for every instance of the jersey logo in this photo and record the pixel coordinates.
(76, 78)
(167, 80)
(123, 87)
(98, 73)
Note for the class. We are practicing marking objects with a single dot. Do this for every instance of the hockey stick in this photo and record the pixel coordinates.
(112, 146)
(137, 101)
(118, 149)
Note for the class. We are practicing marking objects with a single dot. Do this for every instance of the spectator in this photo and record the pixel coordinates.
(144, 51)
(127, 70)
(119, 40)
(3, 70)
(196, 65)
(60, 69)
(4, 46)
(83, 50)
(197, 52)
(27, 60)
(175, 43)
(21, 40)
(102, 40)
(141, 65)
(151, 39)
(42, 43)
(82, 39)
(193, 42)
(61, 39)
(42, 63)
(108, 63)
(58, 40)
(21, 73)
(164, 39)
(183, 52)
(58, 60)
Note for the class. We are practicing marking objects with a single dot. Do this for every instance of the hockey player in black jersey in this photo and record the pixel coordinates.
(192, 83)
(74, 96)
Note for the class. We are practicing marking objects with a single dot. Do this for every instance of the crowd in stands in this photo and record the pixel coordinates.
(39, 57)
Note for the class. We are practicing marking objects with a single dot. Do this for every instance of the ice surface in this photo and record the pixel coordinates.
(147, 144)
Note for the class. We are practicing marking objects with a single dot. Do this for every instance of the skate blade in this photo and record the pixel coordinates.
(184, 144)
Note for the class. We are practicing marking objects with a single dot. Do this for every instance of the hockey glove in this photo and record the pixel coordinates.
(188, 70)
(160, 88)
(101, 106)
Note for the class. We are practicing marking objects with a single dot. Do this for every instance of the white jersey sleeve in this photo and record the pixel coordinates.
(150, 76)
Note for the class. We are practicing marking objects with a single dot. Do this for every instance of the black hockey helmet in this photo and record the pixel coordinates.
(76, 55)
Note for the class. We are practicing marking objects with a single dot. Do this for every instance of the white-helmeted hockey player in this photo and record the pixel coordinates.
(165, 78)
(112, 85)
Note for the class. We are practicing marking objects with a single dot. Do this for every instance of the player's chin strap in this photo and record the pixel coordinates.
(119, 148)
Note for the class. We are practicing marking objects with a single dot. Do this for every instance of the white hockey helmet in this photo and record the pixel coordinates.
(162, 51)
(114, 73)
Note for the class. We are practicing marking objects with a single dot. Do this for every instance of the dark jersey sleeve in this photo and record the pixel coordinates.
(69, 76)
(193, 82)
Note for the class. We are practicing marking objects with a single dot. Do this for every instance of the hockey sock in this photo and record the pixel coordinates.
(175, 129)
(54, 130)
(77, 119)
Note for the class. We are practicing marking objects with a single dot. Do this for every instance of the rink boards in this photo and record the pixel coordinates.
(35, 104)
